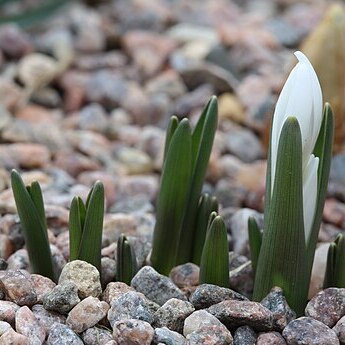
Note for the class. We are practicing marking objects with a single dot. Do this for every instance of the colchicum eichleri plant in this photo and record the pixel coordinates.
(296, 183)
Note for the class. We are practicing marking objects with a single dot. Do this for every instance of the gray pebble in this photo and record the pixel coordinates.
(172, 314)
(306, 330)
(62, 298)
(63, 335)
(155, 286)
(206, 295)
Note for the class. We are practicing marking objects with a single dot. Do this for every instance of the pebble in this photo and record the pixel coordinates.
(234, 313)
(239, 229)
(86, 314)
(172, 314)
(47, 318)
(243, 143)
(63, 335)
(11, 337)
(199, 319)
(270, 338)
(4, 326)
(210, 335)
(62, 298)
(108, 270)
(8, 311)
(14, 42)
(230, 108)
(28, 325)
(135, 161)
(327, 306)
(18, 288)
(244, 335)
(277, 304)
(85, 276)
(96, 335)
(93, 118)
(132, 331)
(166, 336)
(185, 275)
(339, 329)
(306, 330)
(131, 305)
(114, 290)
(206, 295)
(42, 286)
(155, 286)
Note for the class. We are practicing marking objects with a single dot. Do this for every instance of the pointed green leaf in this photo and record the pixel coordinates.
(173, 123)
(330, 266)
(339, 274)
(174, 187)
(76, 223)
(33, 226)
(91, 241)
(282, 256)
(126, 263)
(37, 198)
(214, 264)
(323, 150)
(202, 142)
(207, 205)
(335, 267)
(255, 241)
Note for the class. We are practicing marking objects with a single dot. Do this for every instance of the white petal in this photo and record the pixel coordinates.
(309, 194)
(301, 97)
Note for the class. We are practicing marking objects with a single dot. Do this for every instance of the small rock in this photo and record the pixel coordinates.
(28, 325)
(270, 338)
(63, 335)
(206, 295)
(47, 318)
(243, 143)
(155, 286)
(133, 332)
(239, 229)
(14, 42)
(93, 117)
(169, 83)
(306, 330)
(230, 108)
(42, 286)
(327, 306)
(199, 319)
(166, 336)
(172, 314)
(8, 311)
(210, 335)
(62, 298)
(18, 288)
(114, 290)
(96, 335)
(19, 260)
(86, 314)
(244, 335)
(136, 162)
(276, 303)
(84, 276)
(234, 313)
(131, 305)
(339, 329)
(11, 337)
(4, 326)
(185, 275)
(108, 270)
